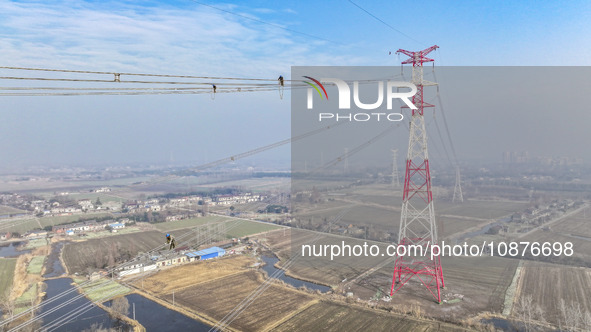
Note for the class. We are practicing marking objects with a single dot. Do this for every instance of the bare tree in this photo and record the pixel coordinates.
(529, 315)
(7, 304)
(573, 318)
(120, 306)
(587, 321)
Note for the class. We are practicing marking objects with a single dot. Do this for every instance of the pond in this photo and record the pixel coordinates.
(270, 268)
(155, 317)
(57, 287)
(9, 250)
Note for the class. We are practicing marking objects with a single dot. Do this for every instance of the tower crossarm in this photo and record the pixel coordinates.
(418, 57)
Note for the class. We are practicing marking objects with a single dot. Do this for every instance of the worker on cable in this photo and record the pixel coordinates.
(170, 240)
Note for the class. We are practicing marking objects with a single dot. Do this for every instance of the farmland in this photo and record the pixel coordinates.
(24, 225)
(97, 252)
(480, 209)
(377, 207)
(450, 227)
(186, 223)
(320, 269)
(328, 316)
(218, 297)
(255, 184)
(387, 197)
(36, 265)
(8, 210)
(35, 243)
(7, 266)
(568, 283)
(573, 229)
(187, 275)
(384, 218)
(240, 228)
(93, 196)
(234, 227)
(482, 281)
(101, 289)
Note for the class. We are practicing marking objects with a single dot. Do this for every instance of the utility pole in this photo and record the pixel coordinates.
(417, 217)
(133, 310)
(173, 297)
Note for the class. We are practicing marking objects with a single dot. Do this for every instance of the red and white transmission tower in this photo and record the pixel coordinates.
(417, 218)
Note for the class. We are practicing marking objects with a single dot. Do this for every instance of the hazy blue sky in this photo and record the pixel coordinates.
(184, 37)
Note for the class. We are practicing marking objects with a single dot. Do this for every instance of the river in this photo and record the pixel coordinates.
(270, 268)
(53, 265)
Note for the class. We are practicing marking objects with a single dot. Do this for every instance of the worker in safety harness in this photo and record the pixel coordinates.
(170, 240)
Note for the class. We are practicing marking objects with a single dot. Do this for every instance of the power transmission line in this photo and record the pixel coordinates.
(386, 24)
(264, 22)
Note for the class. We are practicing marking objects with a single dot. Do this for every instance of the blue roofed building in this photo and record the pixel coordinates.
(204, 254)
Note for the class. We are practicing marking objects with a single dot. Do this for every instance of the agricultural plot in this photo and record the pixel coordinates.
(35, 243)
(328, 316)
(36, 265)
(481, 281)
(100, 234)
(8, 210)
(550, 283)
(186, 223)
(255, 184)
(581, 246)
(20, 225)
(24, 225)
(26, 298)
(390, 200)
(29, 294)
(218, 297)
(93, 196)
(58, 220)
(576, 225)
(110, 250)
(102, 289)
(7, 266)
(102, 252)
(241, 228)
(480, 209)
(322, 270)
(448, 227)
(299, 184)
(358, 215)
(163, 282)
(480, 284)
(234, 227)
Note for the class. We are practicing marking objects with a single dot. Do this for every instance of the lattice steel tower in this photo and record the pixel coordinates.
(395, 177)
(458, 196)
(417, 218)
